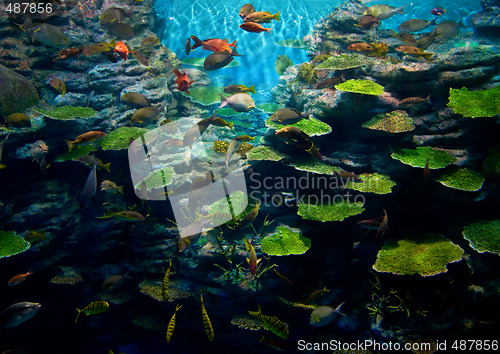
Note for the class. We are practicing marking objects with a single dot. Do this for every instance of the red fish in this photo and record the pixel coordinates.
(182, 81)
(19, 278)
(212, 44)
(122, 50)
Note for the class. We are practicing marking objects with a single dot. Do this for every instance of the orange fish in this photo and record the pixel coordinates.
(182, 81)
(361, 47)
(85, 139)
(19, 278)
(212, 44)
(122, 50)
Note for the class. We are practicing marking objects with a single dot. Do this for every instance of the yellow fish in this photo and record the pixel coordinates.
(206, 321)
(164, 285)
(93, 308)
(171, 324)
(272, 324)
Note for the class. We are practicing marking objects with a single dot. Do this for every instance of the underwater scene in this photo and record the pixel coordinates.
(214, 177)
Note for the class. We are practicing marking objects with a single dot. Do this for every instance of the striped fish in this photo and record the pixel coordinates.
(93, 308)
(272, 324)
(206, 321)
(164, 284)
(171, 324)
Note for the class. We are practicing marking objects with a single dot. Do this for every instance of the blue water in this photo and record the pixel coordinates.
(215, 19)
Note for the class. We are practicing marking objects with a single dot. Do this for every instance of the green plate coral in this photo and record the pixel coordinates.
(205, 95)
(491, 165)
(397, 121)
(462, 179)
(311, 126)
(424, 254)
(265, 153)
(313, 165)
(285, 241)
(341, 62)
(418, 157)
(198, 63)
(372, 183)
(158, 178)
(473, 104)
(483, 236)
(77, 152)
(67, 112)
(365, 87)
(239, 202)
(120, 138)
(268, 107)
(329, 212)
(12, 244)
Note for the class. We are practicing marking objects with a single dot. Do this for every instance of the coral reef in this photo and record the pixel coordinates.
(265, 153)
(473, 104)
(238, 200)
(461, 178)
(418, 157)
(311, 126)
(424, 254)
(158, 178)
(68, 276)
(372, 183)
(12, 244)
(307, 73)
(120, 138)
(285, 241)
(341, 62)
(393, 122)
(336, 211)
(365, 87)
(67, 112)
(483, 236)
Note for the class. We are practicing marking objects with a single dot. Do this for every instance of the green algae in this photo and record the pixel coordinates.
(336, 211)
(473, 104)
(397, 121)
(372, 183)
(11, 244)
(310, 126)
(312, 164)
(285, 241)
(483, 236)
(365, 87)
(491, 165)
(67, 112)
(158, 179)
(205, 95)
(341, 62)
(265, 153)
(418, 157)
(425, 254)
(77, 152)
(462, 179)
(121, 137)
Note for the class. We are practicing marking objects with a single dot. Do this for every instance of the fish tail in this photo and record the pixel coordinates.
(223, 101)
(433, 22)
(428, 56)
(177, 72)
(70, 145)
(234, 53)
(106, 167)
(79, 312)
(399, 10)
(251, 89)
(63, 92)
(268, 30)
(197, 42)
(277, 16)
(120, 189)
(230, 125)
(233, 44)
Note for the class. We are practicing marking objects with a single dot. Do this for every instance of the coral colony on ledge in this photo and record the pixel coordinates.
(230, 177)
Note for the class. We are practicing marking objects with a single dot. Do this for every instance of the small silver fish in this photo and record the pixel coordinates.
(16, 314)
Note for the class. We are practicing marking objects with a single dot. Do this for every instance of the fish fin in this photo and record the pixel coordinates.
(433, 21)
(230, 125)
(177, 72)
(234, 53)
(77, 316)
(268, 30)
(106, 167)
(251, 89)
(70, 145)
(277, 16)
(233, 44)
(247, 245)
(223, 101)
(197, 42)
(428, 56)
(120, 189)
(399, 10)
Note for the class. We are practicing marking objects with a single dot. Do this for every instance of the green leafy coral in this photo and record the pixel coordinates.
(341, 62)
(205, 95)
(266, 153)
(473, 104)
(239, 202)
(462, 179)
(372, 183)
(311, 126)
(366, 87)
(158, 178)
(418, 157)
(491, 165)
(285, 241)
(67, 112)
(12, 244)
(77, 152)
(425, 254)
(483, 236)
(120, 138)
(336, 211)
(397, 121)
(312, 164)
